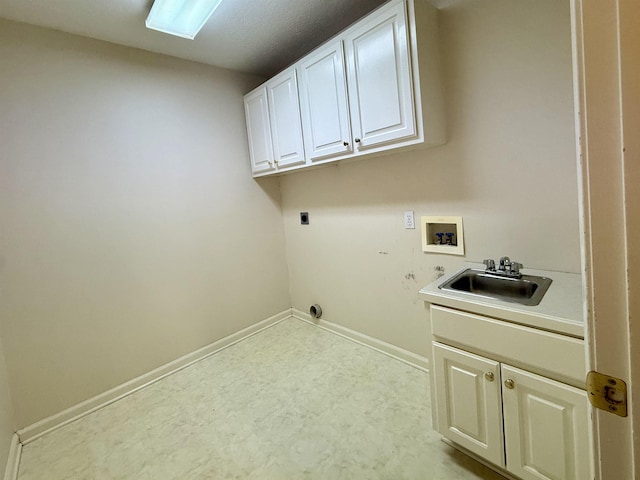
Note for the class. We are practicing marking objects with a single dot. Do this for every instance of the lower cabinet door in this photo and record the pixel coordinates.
(546, 427)
(468, 402)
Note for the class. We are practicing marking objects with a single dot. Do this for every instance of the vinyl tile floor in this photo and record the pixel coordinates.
(291, 402)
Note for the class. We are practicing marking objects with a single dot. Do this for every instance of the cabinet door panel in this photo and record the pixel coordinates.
(380, 91)
(546, 429)
(468, 401)
(323, 103)
(258, 131)
(284, 112)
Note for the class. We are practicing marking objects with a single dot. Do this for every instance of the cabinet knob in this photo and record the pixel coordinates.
(357, 140)
(275, 162)
(346, 144)
(489, 376)
(510, 384)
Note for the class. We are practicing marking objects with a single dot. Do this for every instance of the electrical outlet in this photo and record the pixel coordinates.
(409, 220)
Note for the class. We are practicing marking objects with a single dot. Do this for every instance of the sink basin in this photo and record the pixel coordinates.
(527, 290)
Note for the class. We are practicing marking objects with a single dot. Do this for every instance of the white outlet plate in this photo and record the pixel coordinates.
(409, 219)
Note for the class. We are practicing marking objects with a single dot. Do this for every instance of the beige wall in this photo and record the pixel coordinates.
(509, 169)
(132, 232)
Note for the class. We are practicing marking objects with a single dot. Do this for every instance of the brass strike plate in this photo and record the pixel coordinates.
(607, 393)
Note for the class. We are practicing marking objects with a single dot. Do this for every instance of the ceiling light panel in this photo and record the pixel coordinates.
(183, 18)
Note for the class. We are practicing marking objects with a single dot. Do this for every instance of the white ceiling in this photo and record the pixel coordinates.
(254, 36)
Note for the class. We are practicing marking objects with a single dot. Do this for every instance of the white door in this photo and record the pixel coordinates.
(546, 427)
(259, 130)
(284, 114)
(606, 39)
(379, 78)
(323, 103)
(468, 401)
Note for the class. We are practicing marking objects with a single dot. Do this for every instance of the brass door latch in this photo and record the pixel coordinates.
(607, 393)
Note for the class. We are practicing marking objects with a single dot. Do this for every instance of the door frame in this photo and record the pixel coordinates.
(606, 61)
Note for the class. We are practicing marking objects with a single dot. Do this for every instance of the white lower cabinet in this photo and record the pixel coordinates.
(468, 401)
(545, 426)
(532, 426)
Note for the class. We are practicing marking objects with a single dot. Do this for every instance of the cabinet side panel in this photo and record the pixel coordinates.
(429, 89)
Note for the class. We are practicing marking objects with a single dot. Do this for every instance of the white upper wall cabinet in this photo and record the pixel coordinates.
(379, 73)
(323, 102)
(259, 130)
(284, 116)
(374, 87)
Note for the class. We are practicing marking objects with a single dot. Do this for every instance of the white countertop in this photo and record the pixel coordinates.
(559, 311)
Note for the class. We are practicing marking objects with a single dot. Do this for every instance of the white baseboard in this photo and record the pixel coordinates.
(13, 460)
(36, 430)
(410, 358)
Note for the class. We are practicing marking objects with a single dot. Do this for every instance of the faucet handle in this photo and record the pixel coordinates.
(490, 264)
(515, 267)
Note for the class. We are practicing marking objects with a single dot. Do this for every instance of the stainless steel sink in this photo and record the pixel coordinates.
(526, 290)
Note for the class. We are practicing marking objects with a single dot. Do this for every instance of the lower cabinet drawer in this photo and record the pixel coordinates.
(553, 355)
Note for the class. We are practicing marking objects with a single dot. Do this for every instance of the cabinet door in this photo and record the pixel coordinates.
(323, 103)
(379, 78)
(468, 401)
(284, 113)
(259, 130)
(546, 427)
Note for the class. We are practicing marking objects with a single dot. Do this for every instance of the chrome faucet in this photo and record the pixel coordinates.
(505, 264)
(506, 268)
